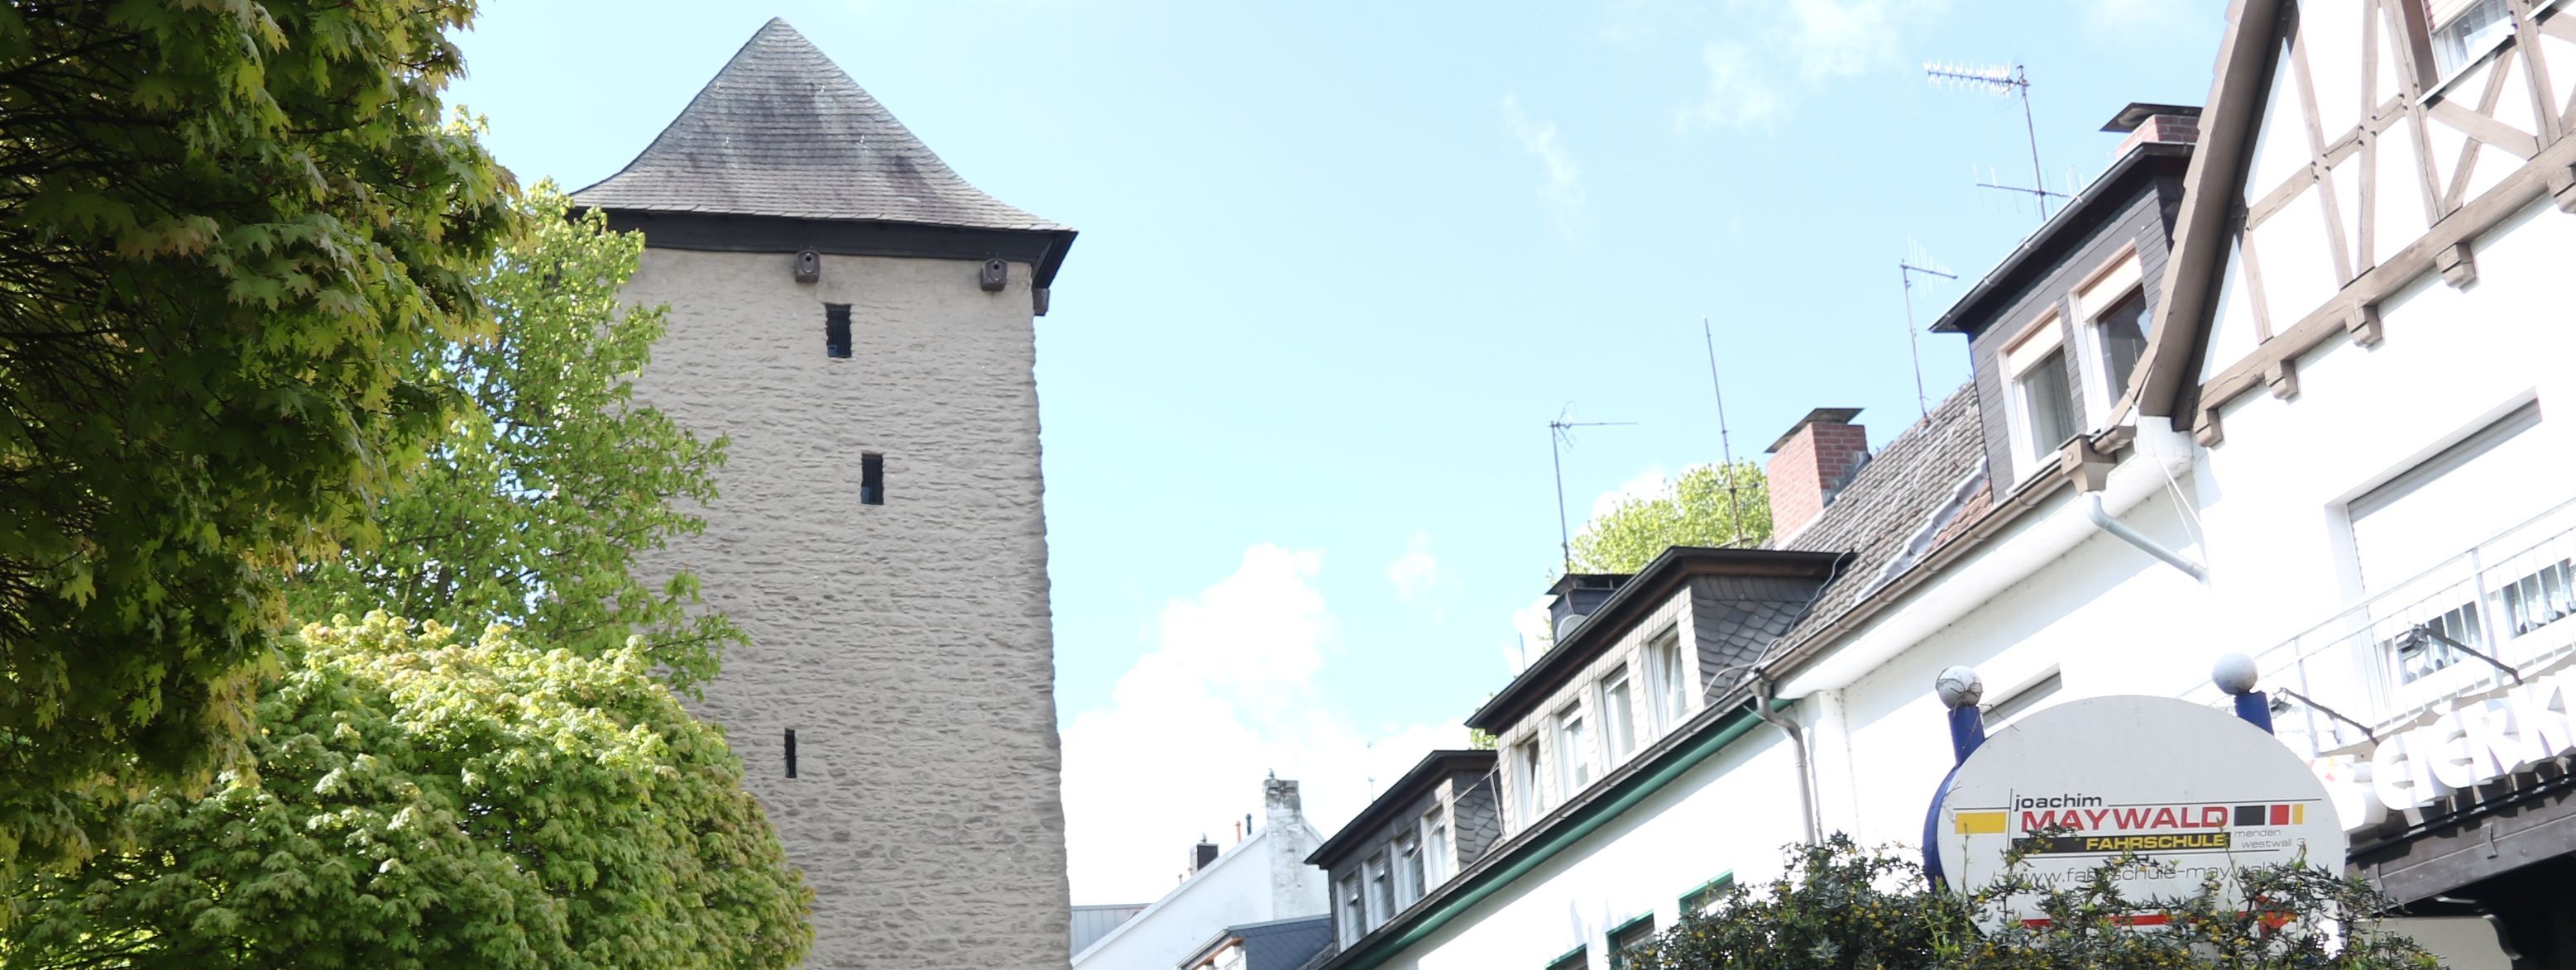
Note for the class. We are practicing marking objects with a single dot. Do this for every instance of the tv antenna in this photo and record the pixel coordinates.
(1559, 438)
(2013, 81)
(1726, 445)
(1905, 269)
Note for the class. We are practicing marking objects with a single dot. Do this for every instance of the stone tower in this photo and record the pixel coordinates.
(860, 321)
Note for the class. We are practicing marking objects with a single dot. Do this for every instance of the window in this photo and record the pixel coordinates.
(1704, 900)
(791, 752)
(1667, 680)
(2465, 30)
(2113, 304)
(2022, 700)
(1577, 960)
(2425, 518)
(1230, 958)
(1408, 871)
(2042, 402)
(1573, 751)
(1435, 844)
(1381, 890)
(836, 330)
(1628, 937)
(871, 478)
(1618, 716)
(1354, 917)
(1525, 797)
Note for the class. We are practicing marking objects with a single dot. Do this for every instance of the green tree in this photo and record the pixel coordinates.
(1696, 510)
(550, 480)
(223, 229)
(422, 802)
(1838, 906)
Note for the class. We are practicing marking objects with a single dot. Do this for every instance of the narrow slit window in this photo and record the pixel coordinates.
(871, 478)
(836, 329)
(791, 752)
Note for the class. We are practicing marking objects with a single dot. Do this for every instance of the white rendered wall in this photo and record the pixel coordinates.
(1255, 881)
(907, 644)
(1734, 812)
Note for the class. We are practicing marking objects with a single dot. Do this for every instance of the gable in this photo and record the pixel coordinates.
(2343, 159)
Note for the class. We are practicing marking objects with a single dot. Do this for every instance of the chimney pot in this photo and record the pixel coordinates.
(2171, 124)
(1810, 465)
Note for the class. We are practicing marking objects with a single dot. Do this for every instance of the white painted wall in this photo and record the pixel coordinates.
(1732, 813)
(1260, 879)
(908, 643)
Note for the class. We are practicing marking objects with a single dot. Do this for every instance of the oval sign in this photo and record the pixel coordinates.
(2193, 789)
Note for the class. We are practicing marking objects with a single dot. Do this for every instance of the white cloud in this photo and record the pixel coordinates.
(1563, 189)
(1531, 635)
(1226, 696)
(1650, 483)
(1776, 49)
(1415, 572)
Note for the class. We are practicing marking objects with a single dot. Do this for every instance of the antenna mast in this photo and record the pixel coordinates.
(1558, 440)
(1905, 269)
(2011, 81)
(1725, 444)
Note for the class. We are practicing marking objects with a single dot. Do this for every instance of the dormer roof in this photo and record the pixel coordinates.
(782, 131)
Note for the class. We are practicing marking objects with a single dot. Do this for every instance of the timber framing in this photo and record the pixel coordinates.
(2222, 212)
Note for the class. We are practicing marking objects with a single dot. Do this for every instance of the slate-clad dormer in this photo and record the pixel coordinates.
(2055, 331)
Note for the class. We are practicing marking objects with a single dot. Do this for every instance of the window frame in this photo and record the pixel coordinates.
(1618, 722)
(1668, 683)
(1377, 884)
(1574, 959)
(2470, 51)
(1705, 894)
(1619, 951)
(1577, 764)
(1437, 831)
(1528, 800)
(2038, 344)
(2104, 290)
(1405, 855)
(1352, 909)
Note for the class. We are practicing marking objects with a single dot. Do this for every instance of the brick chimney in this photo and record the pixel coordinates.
(1810, 465)
(2170, 124)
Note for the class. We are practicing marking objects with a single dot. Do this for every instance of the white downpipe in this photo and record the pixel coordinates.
(2122, 531)
(1797, 753)
(2020, 551)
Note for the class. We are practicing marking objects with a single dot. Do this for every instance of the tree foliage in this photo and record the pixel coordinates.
(531, 509)
(223, 226)
(1840, 907)
(422, 802)
(1695, 510)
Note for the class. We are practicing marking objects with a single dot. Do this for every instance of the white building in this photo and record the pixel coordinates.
(1263, 879)
(2283, 381)
(860, 322)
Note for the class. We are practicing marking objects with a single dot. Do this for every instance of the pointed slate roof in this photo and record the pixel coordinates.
(783, 132)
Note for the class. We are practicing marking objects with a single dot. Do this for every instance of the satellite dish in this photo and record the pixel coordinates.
(1570, 621)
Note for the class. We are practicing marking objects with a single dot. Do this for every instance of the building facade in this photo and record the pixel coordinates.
(2284, 381)
(858, 321)
(1262, 879)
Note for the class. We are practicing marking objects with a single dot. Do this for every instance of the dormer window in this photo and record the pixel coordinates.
(1618, 715)
(2042, 400)
(2465, 30)
(2113, 307)
(1667, 681)
(1573, 750)
(1435, 841)
(1526, 803)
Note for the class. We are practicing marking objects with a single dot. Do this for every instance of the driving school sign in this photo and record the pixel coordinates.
(2194, 791)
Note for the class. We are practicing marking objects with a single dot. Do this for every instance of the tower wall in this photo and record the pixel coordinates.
(907, 644)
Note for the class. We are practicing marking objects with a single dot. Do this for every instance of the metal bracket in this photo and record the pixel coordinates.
(2327, 711)
(2426, 631)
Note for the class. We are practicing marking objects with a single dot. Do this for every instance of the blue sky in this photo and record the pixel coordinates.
(1341, 263)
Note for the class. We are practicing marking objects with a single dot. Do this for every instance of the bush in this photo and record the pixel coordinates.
(1837, 906)
(420, 802)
